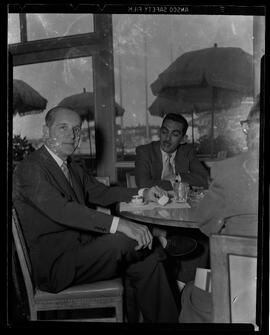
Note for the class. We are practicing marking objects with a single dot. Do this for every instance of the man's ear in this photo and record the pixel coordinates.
(184, 139)
(45, 131)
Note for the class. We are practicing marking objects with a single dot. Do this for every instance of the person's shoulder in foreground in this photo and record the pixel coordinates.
(234, 189)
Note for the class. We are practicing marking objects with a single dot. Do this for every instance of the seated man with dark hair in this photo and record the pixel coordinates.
(158, 162)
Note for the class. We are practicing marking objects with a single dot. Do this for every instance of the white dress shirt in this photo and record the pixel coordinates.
(164, 157)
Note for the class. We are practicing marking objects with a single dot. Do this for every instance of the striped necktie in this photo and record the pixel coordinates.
(168, 168)
(65, 170)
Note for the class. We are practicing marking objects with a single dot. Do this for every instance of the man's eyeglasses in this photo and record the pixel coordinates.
(245, 124)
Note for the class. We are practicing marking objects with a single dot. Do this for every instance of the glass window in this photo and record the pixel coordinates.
(41, 26)
(56, 81)
(13, 28)
(146, 45)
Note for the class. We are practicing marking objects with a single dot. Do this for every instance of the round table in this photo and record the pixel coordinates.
(165, 216)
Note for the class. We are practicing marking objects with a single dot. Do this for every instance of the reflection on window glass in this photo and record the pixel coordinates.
(41, 26)
(13, 28)
(56, 81)
(146, 45)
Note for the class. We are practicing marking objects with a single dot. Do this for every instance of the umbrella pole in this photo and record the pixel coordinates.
(146, 90)
(90, 144)
(192, 124)
(212, 121)
(121, 104)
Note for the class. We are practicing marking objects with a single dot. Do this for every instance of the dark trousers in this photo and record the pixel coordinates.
(112, 255)
(200, 257)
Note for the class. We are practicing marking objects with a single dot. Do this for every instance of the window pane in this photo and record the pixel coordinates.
(55, 81)
(144, 46)
(41, 26)
(13, 28)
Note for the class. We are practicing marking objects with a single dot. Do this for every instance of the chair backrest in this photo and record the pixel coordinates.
(103, 180)
(23, 256)
(221, 155)
(130, 179)
(234, 273)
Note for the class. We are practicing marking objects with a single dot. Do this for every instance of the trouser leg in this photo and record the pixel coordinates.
(113, 254)
(154, 295)
(188, 264)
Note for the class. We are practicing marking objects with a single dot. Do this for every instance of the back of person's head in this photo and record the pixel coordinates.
(50, 116)
(254, 113)
(253, 130)
(177, 118)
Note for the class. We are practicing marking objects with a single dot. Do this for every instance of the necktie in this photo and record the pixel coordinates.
(66, 171)
(168, 168)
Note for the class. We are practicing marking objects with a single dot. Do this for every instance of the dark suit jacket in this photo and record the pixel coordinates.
(232, 192)
(148, 166)
(54, 216)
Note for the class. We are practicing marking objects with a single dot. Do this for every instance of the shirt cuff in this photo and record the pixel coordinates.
(141, 190)
(114, 225)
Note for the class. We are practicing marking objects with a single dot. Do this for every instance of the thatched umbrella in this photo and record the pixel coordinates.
(208, 79)
(26, 100)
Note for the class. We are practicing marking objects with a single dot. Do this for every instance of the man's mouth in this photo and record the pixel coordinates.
(69, 143)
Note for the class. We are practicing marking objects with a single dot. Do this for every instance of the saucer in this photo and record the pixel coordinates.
(179, 201)
(136, 205)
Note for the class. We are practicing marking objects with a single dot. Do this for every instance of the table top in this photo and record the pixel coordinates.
(170, 215)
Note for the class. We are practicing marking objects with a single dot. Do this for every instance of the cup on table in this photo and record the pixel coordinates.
(137, 200)
(181, 191)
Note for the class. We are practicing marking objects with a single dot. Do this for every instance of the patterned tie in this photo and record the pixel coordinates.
(65, 170)
(168, 168)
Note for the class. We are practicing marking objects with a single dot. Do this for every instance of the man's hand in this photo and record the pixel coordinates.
(137, 232)
(153, 193)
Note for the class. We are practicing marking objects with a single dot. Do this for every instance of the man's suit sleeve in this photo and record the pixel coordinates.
(197, 175)
(32, 185)
(102, 195)
(143, 175)
(211, 208)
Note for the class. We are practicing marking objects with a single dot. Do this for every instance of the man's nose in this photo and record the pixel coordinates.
(168, 137)
(71, 133)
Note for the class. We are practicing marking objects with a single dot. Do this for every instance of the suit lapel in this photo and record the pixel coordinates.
(181, 162)
(157, 158)
(76, 182)
(56, 174)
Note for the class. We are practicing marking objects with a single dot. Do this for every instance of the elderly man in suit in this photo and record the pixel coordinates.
(70, 243)
(234, 191)
(158, 162)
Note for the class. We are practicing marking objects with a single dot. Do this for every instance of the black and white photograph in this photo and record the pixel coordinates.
(137, 193)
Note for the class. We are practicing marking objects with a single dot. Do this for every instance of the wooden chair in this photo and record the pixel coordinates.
(233, 269)
(130, 179)
(102, 294)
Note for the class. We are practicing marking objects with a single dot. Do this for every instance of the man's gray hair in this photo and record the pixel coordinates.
(50, 116)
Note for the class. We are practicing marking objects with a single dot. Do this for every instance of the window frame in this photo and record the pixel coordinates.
(97, 44)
